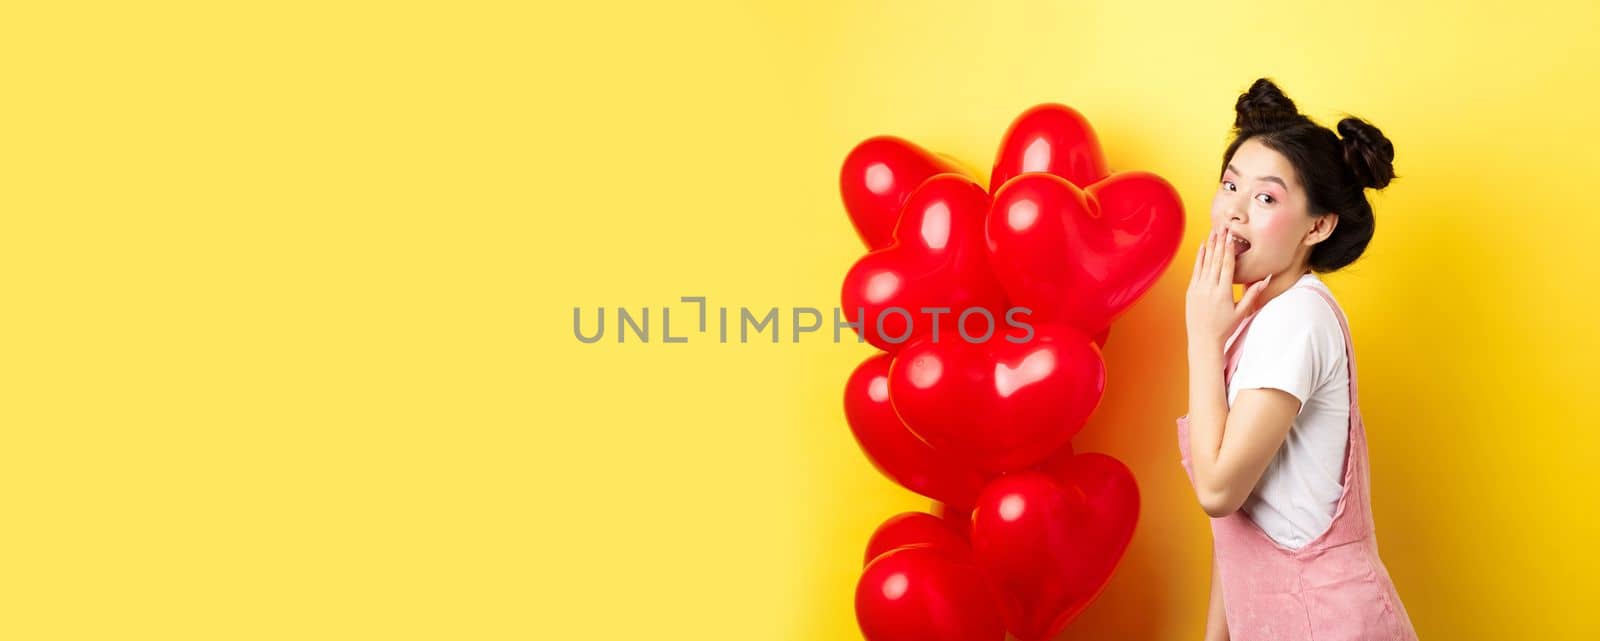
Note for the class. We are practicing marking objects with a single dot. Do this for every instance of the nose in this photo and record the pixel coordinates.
(1230, 219)
(1236, 213)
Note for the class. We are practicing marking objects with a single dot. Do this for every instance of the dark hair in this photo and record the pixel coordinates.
(1335, 169)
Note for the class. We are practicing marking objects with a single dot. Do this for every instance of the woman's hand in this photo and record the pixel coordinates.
(1212, 313)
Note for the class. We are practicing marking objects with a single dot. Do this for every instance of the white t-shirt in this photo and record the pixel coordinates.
(1295, 344)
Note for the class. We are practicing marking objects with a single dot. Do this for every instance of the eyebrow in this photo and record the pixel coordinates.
(1271, 178)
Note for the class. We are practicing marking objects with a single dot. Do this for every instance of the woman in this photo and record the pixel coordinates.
(1274, 443)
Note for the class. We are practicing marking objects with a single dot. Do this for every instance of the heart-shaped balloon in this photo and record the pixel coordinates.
(914, 528)
(894, 450)
(1050, 540)
(938, 261)
(1082, 256)
(920, 593)
(959, 518)
(877, 177)
(999, 404)
(1057, 459)
(1050, 138)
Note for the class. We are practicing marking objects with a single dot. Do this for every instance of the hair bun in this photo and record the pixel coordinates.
(1263, 107)
(1368, 152)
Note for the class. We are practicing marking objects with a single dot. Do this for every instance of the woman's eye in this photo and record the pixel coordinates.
(1228, 185)
(1269, 200)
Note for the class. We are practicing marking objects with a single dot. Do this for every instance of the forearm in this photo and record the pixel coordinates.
(1208, 410)
(1216, 616)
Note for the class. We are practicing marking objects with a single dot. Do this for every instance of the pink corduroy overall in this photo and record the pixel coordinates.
(1335, 588)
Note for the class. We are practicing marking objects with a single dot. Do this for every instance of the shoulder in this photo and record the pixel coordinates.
(1295, 344)
(1297, 317)
(1299, 307)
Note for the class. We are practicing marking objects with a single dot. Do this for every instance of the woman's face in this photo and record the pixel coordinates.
(1260, 200)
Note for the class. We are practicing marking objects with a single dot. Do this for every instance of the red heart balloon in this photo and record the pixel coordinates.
(917, 593)
(1050, 540)
(1056, 459)
(1082, 256)
(918, 528)
(1050, 138)
(959, 518)
(937, 260)
(999, 404)
(877, 177)
(894, 450)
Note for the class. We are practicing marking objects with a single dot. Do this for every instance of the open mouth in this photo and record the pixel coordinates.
(1240, 246)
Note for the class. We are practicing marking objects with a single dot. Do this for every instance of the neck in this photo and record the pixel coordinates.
(1281, 282)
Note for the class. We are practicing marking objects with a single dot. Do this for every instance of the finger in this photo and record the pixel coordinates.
(1210, 274)
(1200, 259)
(1198, 254)
(1225, 273)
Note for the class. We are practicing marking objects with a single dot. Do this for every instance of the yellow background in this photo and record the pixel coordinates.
(286, 336)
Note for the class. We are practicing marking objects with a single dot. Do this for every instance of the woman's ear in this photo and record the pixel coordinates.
(1322, 228)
